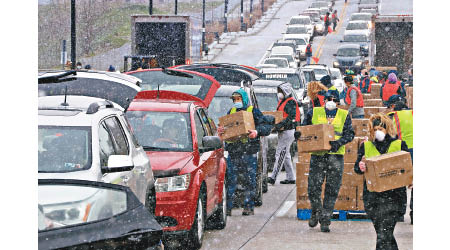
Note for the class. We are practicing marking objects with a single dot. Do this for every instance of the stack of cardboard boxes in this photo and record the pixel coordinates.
(372, 102)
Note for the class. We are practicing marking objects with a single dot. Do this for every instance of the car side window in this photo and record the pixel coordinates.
(200, 131)
(207, 125)
(119, 138)
(130, 131)
(106, 147)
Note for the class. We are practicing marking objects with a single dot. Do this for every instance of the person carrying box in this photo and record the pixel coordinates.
(383, 208)
(329, 165)
(242, 153)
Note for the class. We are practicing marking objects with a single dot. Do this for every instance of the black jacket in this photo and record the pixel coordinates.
(291, 110)
(390, 203)
(262, 125)
(347, 134)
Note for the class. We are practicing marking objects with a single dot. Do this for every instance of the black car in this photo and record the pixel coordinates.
(349, 56)
(80, 214)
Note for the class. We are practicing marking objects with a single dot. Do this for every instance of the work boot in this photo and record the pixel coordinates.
(248, 211)
(314, 218)
(325, 223)
(411, 216)
(287, 182)
(270, 180)
(228, 212)
(325, 228)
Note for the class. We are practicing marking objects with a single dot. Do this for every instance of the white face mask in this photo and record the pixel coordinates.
(379, 135)
(280, 96)
(330, 105)
(78, 67)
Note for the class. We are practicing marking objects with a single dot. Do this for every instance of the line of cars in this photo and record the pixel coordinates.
(356, 41)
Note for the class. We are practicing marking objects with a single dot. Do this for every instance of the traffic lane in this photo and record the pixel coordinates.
(249, 50)
(241, 229)
(324, 47)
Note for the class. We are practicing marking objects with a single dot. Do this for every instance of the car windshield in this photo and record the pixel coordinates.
(300, 21)
(346, 52)
(355, 38)
(363, 17)
(267, 101)
(293, 79)
(174, 81)
(219, 107)
(61, 205)
(162, 131)
(290, 45)
(320, 73)
(368, 2)
(308, 76)
(279, 62)
(64, 149)
(323, 11)
(296, 30)
(319, 4)
(288, 57)
(357, 26)
(336, 73)
(298, 41)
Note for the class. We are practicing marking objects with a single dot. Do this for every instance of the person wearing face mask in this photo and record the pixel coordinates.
(286, 129)
(327, 165)
(326, 80)
(353, 98)
(79, 66)
(383, 208)
(242, 153)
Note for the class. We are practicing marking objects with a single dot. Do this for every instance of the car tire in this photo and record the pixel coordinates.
(219, 219)
(196, 233)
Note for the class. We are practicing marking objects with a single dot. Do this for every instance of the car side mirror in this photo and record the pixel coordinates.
(118, 163)
(334, 54)
(340, 41)
(211, 143)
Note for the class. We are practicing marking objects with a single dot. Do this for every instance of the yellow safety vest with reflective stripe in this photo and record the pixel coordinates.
(370, 150)
(403, 122)
(233, 110)
(320, 117)
(332, 88)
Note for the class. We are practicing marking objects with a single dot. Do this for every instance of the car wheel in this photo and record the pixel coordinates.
(259, 191)
(219, 219)
(198, 227)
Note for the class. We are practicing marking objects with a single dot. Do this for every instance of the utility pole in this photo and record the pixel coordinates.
(203, 27)
(262, 7)
(225, 22)
(150, 7)
(176, 7)
(73, 37)
(251, 11)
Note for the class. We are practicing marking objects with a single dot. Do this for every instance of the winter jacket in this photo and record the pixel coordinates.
(366, 83)
(347, 134)
(401, 91)
(261, 126)
(387, 203)
(353, 109)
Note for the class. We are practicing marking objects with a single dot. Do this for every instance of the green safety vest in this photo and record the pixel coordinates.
(332, 88)
(320, 117)
(233, 110)
(370, 150)
(403, 121)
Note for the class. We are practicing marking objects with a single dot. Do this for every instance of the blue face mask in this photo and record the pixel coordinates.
(238, 105)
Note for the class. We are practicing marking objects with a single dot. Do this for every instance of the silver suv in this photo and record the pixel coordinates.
(83, 133)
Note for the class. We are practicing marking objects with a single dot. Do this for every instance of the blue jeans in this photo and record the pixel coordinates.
(244, 165)
(308, 59)
(358, 117)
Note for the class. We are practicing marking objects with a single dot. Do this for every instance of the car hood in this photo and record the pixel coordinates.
(168, 163)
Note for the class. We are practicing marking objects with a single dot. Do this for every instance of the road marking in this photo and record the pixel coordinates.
(285, 208)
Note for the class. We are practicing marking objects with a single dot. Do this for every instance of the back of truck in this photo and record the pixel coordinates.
(166, 37)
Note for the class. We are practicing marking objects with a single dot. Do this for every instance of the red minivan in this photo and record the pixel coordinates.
(170, 121)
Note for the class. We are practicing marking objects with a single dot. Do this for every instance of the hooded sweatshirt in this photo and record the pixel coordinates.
(392, 79)
(290, 108)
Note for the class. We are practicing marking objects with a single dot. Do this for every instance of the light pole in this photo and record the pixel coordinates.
(251, 11)
(176, 7)
(73, 39)
(150, 7)
(203, 27)
(225, 22)
(262, 7)
(242, 15)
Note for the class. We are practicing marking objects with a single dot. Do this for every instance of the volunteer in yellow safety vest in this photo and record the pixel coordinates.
(383, 208)
(403, 125)
(242, 153)
(327, 165)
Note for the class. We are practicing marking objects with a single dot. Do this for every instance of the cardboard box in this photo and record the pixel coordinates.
(302, 173)
(304, 157)
(346, 199)
(237, 125)
(367, 96)
(369, 111)
(359, 197)
(315, 138)
(361, 127)
(351, 151)
(375, 90)
(388, 171)
(277, 114)
(409, 97)
(373, 103)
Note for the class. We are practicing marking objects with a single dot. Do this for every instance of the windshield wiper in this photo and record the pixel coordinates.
(176, 73)
(62, 77)
(156, 148)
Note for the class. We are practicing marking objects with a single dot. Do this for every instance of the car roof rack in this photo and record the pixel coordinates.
(315, 64)
(59, 77)
(95, 106)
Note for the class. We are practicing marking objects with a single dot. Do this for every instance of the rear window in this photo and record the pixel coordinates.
(298, 41)
(296, 30)
(357, 26)
(267, 101)
(219, 107)
(181, 82)
(361, 17)
(294, 79)
(64, 149)
(355, 38)
(300, 21)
